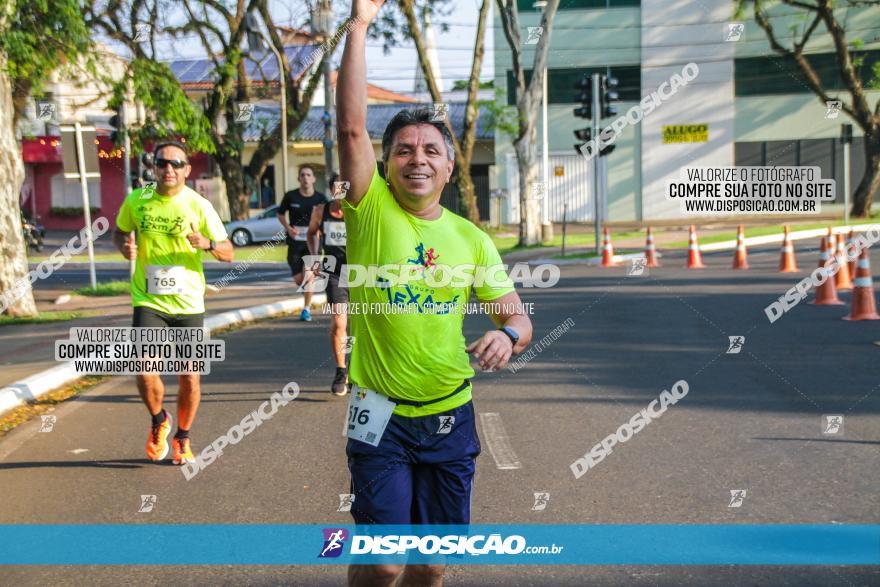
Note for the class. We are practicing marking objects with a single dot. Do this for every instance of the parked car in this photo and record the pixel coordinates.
(258, 229)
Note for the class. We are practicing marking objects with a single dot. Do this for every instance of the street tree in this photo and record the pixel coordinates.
(463, 144)
(850, 61)
(36, 38)
(528, 97)
(229, 36)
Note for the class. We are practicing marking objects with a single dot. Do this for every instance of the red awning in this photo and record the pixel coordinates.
(41, 150)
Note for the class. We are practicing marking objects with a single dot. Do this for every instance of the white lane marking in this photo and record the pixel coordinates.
(498, 441)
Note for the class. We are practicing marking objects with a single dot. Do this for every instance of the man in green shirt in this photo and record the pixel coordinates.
(412, 433)
(165, 231)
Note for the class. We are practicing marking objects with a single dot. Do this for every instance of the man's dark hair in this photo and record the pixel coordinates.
(406, 118)
(308, 166)
(178, 144)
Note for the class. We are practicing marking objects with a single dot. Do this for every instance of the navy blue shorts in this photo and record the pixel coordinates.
(422, 472)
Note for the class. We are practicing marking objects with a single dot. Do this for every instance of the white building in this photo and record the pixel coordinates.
(757, 107)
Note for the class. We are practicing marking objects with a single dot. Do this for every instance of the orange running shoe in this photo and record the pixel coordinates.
(157, 443)
(182, 452)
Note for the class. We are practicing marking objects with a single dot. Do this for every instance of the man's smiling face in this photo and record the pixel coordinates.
(418, 165)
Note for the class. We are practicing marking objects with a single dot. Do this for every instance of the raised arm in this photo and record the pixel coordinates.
(357, 160)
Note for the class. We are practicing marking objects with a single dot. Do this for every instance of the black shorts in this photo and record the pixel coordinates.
(149, 318)
(295, 254)
(336, 294)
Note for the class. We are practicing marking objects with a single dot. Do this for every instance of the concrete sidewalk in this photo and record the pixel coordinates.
(29, 349)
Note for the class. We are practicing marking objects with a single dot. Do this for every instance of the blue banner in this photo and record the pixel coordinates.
(244, 544)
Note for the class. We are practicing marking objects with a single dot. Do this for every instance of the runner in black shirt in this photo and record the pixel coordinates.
(327, 221)
(298, 205)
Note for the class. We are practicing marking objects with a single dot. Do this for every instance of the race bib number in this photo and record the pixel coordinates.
(166, 280)
(368, 415)
(302, 233)
(334, 233)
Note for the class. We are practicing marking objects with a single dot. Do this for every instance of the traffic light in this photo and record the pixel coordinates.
(606, 150)
(117, 135)
(583, 134)
(609, 96)
(148, 173)
(584, 97)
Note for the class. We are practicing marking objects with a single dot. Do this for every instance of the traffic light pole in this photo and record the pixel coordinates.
(597, 114)
(126, 144)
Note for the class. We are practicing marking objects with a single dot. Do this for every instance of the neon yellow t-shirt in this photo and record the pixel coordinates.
(162, 224)
(414, 355)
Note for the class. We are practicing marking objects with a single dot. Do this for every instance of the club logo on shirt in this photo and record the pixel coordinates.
(426, 259)
(158, 223)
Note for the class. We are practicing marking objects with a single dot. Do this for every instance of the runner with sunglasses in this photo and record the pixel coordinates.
(165, 229)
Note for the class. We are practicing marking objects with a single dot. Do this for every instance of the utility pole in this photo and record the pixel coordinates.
(323, 26)
(546, 226)
(846, 138)
(597, 114)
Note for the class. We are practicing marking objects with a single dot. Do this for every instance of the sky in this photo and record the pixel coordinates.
(397, 70)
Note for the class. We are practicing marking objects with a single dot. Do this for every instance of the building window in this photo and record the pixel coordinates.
(775, 74)
(826, 154)
(68, 194)
(529, 5)
(561, 83)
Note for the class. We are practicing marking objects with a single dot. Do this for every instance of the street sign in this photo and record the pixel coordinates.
(80, 162)
(69, 156)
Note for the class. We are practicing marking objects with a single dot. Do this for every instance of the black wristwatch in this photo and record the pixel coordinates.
(212, 245)
(511, 333)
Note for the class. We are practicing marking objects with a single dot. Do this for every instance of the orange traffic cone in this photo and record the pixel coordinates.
(863, 305)
(842, 280)
(787, 263)
(852, 261)
(694, 259)
(607, 251)
(740, 257)
(651, 250)
(826, 294)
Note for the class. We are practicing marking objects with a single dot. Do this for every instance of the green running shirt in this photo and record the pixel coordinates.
(162, 224)
(414, 355)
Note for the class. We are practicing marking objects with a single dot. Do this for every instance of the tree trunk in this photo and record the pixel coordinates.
(14, 283)
(527, 161)
(237, 191)
(468, 194)
(864, 194)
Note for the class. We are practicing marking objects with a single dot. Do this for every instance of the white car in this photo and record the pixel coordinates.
(255, 230)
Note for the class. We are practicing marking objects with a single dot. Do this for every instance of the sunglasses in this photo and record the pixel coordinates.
(175, 163)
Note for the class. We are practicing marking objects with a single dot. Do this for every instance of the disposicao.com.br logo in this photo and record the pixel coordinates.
(334, 541)
(429, 544)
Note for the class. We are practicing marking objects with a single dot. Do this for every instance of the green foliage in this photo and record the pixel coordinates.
(502, 118)
(106, 289)
(874, 82)
(40, 36)
(72, 212)
(462, 84)
(169, 112)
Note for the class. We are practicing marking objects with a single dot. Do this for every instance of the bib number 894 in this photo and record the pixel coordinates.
(359, 415)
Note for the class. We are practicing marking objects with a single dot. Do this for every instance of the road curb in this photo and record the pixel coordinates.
(208, 266)
(588, 261)
(39, 384)
(777, 238)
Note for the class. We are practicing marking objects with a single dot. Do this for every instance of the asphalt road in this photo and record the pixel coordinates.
(751, 420)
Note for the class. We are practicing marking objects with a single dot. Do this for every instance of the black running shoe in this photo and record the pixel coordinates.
(340, 382)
